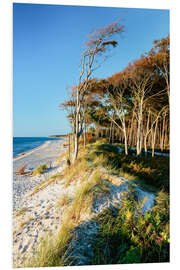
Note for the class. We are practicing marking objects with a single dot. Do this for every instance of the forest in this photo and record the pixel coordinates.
(131, 106)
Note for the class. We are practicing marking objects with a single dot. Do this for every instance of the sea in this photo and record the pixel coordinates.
(24, 144)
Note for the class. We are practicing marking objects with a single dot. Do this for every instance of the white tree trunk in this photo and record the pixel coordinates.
(76, 147)
(154, 138)
(125, 142)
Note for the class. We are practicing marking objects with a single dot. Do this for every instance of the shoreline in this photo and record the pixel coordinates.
(23, 154)
(47, 154)
(31, 213)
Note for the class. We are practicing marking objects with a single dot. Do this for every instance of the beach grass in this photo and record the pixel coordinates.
(63, 201)
(45, 183)
(21, 211)
(40, 170)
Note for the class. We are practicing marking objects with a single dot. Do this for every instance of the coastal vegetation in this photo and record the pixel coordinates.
(130, 237)
(125, 233)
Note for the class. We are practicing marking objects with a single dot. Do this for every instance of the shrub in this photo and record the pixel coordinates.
(152, 171)
(131, 237)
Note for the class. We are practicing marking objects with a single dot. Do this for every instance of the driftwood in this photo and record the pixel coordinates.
(21, 171)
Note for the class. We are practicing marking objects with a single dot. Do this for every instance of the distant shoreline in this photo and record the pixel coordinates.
(44, 154)
(58, 136)
(31, 151)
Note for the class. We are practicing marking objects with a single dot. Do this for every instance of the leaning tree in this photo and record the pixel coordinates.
(96, 51)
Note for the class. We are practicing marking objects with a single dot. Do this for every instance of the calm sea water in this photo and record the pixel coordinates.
(23, 144)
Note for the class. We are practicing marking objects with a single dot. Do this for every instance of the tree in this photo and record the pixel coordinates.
(117, 96)
(131, 106)
(159, 58)
(97, 46)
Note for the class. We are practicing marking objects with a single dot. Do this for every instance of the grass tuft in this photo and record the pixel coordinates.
(21, 211)
(65, 200)
(40, 170)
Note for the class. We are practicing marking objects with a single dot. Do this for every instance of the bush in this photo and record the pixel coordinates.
(131, 237)
(152, 171)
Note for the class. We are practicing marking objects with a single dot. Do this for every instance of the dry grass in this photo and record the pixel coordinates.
(63, 156)
(80, 209)
(39, 170)
(64, 201)
(127, 175)
(82, 202)
(83, 199)
(23, 223)
(53, 179)
(21, 211)
(53, 250)
(75, 171)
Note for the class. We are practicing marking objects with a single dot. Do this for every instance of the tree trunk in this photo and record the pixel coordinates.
(69, 146)
(125, 141)
(76, 147)
(84, 133)
(110, 132)
(162, 135)
(130, 131)
(138, 150)
(76, 135)
(113, 133)
(139, 131)
(154, 138)
(146, 134)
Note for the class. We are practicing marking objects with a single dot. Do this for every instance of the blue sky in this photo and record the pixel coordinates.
(47, 44)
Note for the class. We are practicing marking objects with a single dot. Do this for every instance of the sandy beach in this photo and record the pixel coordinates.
(30, 210)
(45, 154)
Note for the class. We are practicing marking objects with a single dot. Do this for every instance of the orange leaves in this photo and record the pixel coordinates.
(99, 36)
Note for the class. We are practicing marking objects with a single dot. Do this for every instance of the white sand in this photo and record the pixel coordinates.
(45, 154)
(39, 214)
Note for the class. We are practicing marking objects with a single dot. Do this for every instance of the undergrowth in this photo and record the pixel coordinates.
(125, 234)
(146, 171)
(128, 236)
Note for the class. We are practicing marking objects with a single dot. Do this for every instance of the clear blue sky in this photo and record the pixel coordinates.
(47, 44)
